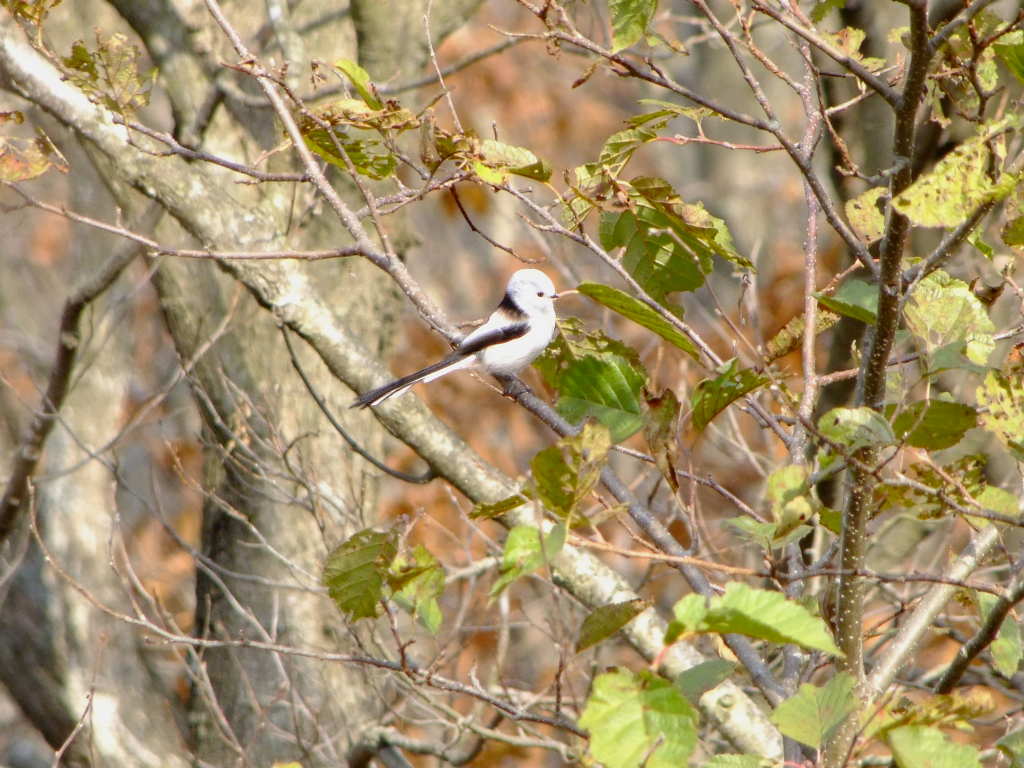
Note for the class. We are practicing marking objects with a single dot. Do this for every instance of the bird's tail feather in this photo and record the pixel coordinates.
(399, 386)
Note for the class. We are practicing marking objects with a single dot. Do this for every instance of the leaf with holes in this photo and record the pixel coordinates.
(942, 310)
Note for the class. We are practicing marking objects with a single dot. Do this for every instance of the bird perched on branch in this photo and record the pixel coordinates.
(515, 333)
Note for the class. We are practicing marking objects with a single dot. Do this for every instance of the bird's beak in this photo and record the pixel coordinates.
(563, 294)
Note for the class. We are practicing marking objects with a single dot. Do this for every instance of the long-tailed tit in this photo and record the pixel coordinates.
(515, 333)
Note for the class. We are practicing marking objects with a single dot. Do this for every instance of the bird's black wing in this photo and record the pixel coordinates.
(464, 350)
(498, 336)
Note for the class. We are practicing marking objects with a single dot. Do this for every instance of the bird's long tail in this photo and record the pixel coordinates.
(451, 363)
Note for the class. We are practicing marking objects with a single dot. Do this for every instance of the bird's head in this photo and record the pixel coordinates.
(531, 289)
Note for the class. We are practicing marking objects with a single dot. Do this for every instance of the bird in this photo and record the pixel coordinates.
(515, 333)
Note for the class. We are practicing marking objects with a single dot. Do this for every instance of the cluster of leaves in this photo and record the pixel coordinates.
(109, 73)
(360, 132)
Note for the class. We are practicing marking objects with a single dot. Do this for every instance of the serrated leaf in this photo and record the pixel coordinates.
(633, 716)
(567, 472)
(1001, 409)
(856, 428)
(360, 80)
(595, 376)
(607, 389)
(668, 244)
(417, 584)
(943, 310)
(698, 680)
(1006, 648)
(712, 396)
(959, 183)
(356, 571)
(934, 424)
(753, 612)
(629, 21)
(854, 298)
(812, 715)
(605, 621)
(369, 156)
(1010, 50)
(497, 509)
(639, 313)
(524, 554)
(918, 746)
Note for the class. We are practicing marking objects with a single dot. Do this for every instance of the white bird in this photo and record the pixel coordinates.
(515, 333)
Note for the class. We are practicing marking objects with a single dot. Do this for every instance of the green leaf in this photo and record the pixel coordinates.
(791, 334)
(639, 313)
(865, 218)
(753, 612)
(823, 7)
(1012, 745)
(1013, 232)
(636, 715)
(1001, 409)
(738, 761)
(368, 156)
(943, 310)
(566, 473)
(605, 621)
(668, 244)
(490, 511)
(855, 298)
(360, 79)
(856, 428)
(629, 21)
(417, 585)
(607, 389)
(712, 396)
(812, 715)
(1006, 648)
(356, 571)
(934, 424)
(959, 183)
(518, 161)
(918, 746)
(595, 376)
(698, 680)
(523, 553)
(792, 505)
(1010, 50)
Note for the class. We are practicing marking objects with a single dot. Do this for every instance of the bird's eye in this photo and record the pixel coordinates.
(540, 294)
